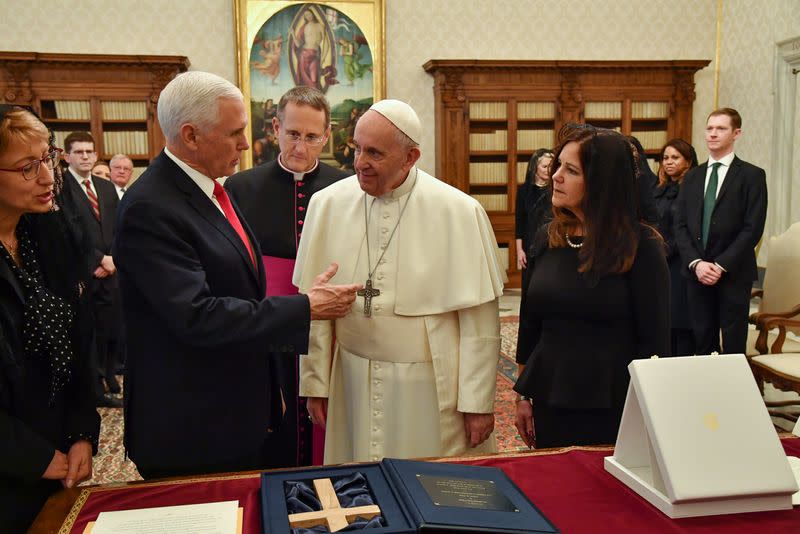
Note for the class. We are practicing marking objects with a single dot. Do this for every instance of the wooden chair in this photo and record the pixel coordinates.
(777, 358)
(780, 296)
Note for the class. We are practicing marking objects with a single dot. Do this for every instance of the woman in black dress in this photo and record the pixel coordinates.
(48, 422)
(533, 204)
(598, 296)
(677, 157)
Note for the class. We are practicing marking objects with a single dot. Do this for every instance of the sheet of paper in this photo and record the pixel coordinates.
(209, 518)
(796, 430)
(794, 463)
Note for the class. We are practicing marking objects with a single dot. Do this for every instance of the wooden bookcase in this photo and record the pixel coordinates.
(492, 114)
(112, 96)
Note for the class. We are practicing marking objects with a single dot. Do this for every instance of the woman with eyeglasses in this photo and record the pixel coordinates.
(598, 296)
(677, 157)
(48, 424)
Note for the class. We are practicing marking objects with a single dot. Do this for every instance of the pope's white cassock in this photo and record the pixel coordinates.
(398, 381)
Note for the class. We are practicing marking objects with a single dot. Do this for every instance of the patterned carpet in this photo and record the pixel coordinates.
(110, 464)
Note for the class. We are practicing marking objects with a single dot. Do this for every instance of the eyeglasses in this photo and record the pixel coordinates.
(310, 140)
(31, 170)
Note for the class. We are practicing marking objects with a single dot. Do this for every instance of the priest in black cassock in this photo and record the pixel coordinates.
(273, 198)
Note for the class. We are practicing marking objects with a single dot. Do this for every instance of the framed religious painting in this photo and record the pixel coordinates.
(337, 47)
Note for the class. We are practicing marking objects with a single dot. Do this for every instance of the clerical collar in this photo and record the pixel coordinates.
(404, 188)
(297, 175)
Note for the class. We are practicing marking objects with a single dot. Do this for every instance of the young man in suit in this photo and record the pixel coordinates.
(722, 206)
(95, 201)
(201, 392)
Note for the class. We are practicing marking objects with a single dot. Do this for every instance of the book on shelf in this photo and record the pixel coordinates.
(602, 110)
(535, 139)
(536, 111)
(60, 136)
(73, 109)
(649, 110)
(503, 256)
(488, 110)
(651, 140)
(497, 140)
(127, 142)
(488, 173)
(498, 202)
(124, 110)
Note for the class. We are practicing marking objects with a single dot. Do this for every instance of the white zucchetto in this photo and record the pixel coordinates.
(402, 116)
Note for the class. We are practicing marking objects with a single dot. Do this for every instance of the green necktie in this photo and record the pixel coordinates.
(709, 200)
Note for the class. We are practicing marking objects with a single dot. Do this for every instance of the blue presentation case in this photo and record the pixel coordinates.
(406, 505)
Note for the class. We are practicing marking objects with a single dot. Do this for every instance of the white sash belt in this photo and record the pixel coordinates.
(388, 339)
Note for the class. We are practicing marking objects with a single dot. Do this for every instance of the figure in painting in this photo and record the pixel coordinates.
(270, 65)
(354, 69)
(310, 47)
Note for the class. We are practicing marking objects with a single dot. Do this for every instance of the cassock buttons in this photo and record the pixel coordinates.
(301, 208)
(299, 222)
(299, 184)
(300, 195)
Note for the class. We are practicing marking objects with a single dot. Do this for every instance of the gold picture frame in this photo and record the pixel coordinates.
(343, 56)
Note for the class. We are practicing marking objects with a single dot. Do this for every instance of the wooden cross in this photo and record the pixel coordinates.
(332, 514)
(368, 292)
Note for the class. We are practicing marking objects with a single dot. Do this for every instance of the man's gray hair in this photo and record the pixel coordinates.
(119, 157)
(193, 97)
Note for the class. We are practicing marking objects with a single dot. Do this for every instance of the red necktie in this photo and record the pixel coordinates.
(92, 198)
(227, 208)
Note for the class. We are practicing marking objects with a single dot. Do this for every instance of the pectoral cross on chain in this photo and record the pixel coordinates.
(368, 292)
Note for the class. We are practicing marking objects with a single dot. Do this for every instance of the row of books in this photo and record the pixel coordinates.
(488, 110)
(602, 110)
(497, 202)
(130, 142)
(651, 140)
(522, 168)
(497, 140)
(649, 110)
(503, 257)
(534, 139)
(488, 173)
(124, 110)
(73, 109)
(536, 111)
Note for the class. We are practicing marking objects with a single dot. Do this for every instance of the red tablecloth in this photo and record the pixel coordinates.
(570, 487)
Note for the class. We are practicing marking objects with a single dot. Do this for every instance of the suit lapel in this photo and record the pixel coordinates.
(203, 205)
(730, 176)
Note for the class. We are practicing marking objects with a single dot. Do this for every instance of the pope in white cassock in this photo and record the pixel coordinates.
(412, 372)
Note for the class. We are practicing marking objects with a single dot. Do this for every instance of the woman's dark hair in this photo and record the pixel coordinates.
(610, 201)
(62, 247)
(686, 150)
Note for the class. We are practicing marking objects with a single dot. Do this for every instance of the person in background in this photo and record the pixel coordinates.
(533, 204)
(274, 198)
(677, 157)
(722, 207)
(102, 170)
(48, 423)
(598, 296)
(96, 202)
(121, 171)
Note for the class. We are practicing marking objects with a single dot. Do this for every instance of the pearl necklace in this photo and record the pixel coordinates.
(570, 243)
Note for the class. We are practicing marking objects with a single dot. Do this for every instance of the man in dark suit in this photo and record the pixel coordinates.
(201, 391)
(95, 200)
(722, 206)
